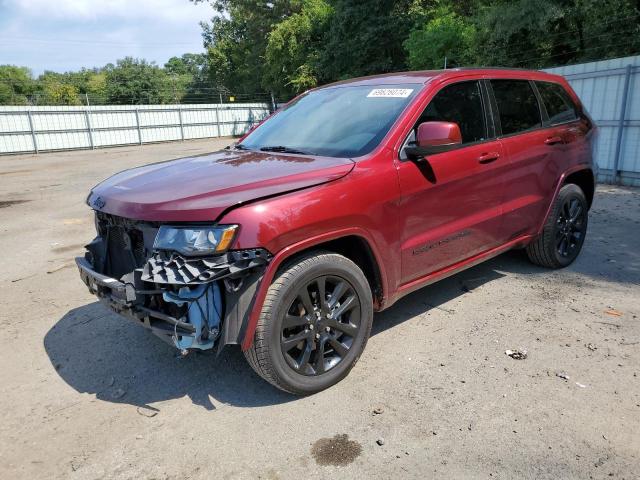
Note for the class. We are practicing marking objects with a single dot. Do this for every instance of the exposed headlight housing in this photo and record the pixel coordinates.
(195, 240)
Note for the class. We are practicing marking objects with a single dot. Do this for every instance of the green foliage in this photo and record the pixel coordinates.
(542, 33)
(444, 35)
(287, 46)
(294, 49)
(365, 38)
(54, 92)
(136, 81)
(16, 84)
(236, 41)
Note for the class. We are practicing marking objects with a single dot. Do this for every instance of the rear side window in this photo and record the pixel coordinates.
(460, 103)
(557, 101)
(517, 105)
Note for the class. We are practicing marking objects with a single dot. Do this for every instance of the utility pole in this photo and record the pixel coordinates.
(445, 62)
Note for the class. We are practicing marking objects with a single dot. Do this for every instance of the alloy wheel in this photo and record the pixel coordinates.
(570, 228)
(320, 325)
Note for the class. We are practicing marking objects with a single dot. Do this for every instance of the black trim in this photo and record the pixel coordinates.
(495, 113)
(542, 126)
(576, 110)
(489, 127)
(489, 113)
(544, 115)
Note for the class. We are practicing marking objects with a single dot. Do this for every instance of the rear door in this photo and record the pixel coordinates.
(532, 152)
(566, 131)
(450, 207)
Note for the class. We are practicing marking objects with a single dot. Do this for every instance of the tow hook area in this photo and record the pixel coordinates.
(204, 307)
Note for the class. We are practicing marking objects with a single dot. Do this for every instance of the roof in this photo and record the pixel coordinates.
(425, 76)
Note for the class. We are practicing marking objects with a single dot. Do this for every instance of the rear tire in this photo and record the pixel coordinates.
(314, 324)
(564, 231)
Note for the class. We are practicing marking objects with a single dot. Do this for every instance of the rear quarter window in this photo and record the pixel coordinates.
(559, 105)
(518, 106)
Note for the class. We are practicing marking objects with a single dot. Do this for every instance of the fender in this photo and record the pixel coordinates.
(559, 184)
(291, 250)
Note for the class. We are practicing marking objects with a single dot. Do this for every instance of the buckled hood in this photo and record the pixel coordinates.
(201, 188)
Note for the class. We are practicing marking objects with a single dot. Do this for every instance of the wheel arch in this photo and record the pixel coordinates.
(353, 243)
(580, 175)
(584, 179)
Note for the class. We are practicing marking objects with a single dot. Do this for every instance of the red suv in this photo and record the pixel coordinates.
(344, 200)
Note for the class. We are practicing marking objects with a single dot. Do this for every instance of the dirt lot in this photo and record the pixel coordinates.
(88, 395)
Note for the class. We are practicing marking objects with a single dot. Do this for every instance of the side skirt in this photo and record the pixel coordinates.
(443, 273)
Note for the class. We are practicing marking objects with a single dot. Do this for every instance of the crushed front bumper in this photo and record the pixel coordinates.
(124, 299)
(160, 295)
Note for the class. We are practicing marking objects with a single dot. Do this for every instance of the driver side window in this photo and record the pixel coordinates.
(460, 103)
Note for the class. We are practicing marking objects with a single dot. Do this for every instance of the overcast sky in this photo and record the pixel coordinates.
(63, 35)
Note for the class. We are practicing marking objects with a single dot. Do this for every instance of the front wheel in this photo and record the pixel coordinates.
(564, 232)
(314, 324)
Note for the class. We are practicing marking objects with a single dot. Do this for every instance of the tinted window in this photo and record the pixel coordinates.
(517, 105)
(341, 121)
(460, 103)
(557, 101)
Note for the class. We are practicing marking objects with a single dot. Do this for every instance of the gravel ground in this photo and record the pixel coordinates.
(88, 395)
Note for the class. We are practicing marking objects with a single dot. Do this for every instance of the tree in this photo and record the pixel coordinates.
(236, 41)
(294, 49)
(16, 85)
(365, 38)
(445, 34)
(189, 74)
(56, 89)
(541, 33)
(136, 81)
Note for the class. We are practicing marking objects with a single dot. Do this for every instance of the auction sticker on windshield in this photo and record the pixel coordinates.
(390, 92)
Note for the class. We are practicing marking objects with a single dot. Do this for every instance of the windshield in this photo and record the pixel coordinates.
(343, 121)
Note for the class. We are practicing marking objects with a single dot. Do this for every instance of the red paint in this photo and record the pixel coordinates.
(201, 188)
(422, 220)
(435, 134)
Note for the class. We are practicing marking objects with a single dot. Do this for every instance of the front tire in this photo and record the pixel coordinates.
(564, 232)
(314, 324)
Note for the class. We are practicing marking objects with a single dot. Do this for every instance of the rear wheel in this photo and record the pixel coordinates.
(564, 232)
(314, 324)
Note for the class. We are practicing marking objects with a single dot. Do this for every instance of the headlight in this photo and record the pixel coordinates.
(191, 241)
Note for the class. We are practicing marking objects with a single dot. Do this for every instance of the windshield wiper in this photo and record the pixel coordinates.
(283, 149)
(239, 146)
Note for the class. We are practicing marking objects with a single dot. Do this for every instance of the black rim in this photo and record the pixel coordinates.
(570, 228)
(320, 326)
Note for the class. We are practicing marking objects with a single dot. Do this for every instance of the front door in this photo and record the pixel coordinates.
(451, 202)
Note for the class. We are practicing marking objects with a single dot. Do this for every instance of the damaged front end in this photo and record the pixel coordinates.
(189, 299)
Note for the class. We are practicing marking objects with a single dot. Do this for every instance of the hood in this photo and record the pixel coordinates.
(200, 188)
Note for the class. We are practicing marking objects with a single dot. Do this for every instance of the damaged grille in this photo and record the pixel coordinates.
(165, 267)
(127, 243)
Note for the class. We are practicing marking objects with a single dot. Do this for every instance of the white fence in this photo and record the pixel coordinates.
(610, 90)
(37, 129)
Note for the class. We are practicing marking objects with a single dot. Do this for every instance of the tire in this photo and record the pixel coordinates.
(331, 345)
(564, 231)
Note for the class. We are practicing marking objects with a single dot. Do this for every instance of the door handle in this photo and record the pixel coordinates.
(488, 157)
(553, 140)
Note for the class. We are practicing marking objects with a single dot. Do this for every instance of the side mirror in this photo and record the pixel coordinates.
(435, 137)
(438, 134)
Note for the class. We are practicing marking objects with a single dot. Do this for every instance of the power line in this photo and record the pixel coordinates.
(564, 32)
